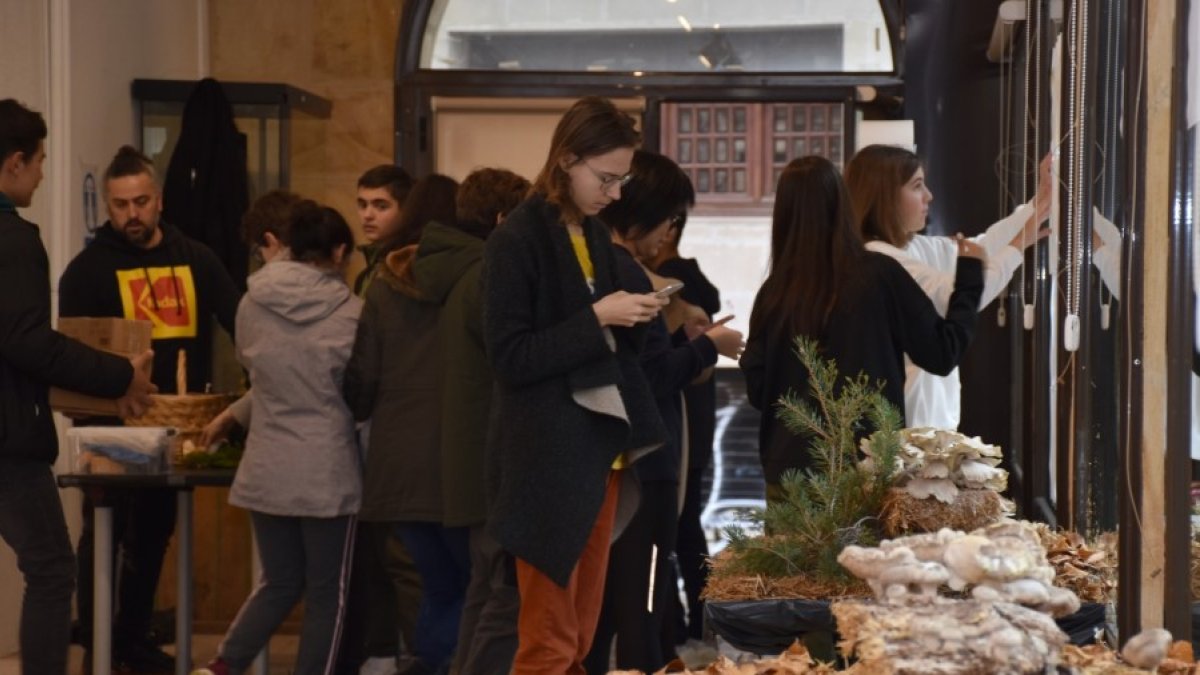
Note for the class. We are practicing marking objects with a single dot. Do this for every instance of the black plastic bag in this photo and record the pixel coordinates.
(768, 627)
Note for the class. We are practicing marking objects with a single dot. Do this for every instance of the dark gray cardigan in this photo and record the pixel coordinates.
(548, 456)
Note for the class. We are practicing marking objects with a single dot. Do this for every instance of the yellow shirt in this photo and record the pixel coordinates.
(579, 243)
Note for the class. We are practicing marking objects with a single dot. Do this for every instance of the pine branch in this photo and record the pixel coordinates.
(837, 502)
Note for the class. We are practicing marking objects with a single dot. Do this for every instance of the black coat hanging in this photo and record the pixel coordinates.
(206, 189)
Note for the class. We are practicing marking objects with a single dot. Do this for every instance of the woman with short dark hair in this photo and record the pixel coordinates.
(657, 197)
(300, 477)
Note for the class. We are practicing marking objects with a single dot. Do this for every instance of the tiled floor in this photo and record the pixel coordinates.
(282, 655)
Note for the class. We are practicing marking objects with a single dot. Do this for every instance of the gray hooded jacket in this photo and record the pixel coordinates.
(295, 330)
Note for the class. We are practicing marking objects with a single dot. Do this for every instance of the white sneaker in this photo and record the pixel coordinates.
(378, 665)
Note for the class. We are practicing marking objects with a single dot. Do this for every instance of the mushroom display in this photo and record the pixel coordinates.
(947, 637)
(1004, 626)
(942, 479)
(1003, 562)
(938, 463)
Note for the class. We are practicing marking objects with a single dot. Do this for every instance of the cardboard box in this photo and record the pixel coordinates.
(115, 336)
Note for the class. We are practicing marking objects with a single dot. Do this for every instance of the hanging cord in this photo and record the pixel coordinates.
(1113, 88)
(1076, 209)
(1032, 59)
(1002, 163)
(1126, 281)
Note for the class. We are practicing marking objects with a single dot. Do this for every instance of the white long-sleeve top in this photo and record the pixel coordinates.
(930, 400)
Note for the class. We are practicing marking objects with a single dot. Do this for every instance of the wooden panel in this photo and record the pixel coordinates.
(1160, 58)
(513, 134)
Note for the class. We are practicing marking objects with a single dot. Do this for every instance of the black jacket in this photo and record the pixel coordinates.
(206, 189)
(879, 318)
(701, 398)
(32, 355)
(548, 456)
(108, 278)
(669, 369)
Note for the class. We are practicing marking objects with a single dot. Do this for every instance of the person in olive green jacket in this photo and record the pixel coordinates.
(447, 269)
(385, 588)
(394, 379)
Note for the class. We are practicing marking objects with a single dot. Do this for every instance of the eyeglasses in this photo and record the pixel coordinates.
(608, 180)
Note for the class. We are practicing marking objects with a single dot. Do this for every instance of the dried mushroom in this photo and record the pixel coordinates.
(1089, 569)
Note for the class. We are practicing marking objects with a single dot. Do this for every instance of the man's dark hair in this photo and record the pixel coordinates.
(484, 196)
(397, 181)
(129, 162)
(21, 129)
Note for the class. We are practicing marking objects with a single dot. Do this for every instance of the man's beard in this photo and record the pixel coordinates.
(143, 236)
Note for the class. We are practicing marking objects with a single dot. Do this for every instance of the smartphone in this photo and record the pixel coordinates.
(668, 291)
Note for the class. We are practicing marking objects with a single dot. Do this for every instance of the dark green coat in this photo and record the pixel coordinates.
(394, 379)
(447, 271)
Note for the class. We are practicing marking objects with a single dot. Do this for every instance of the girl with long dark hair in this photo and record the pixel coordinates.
(862, 308)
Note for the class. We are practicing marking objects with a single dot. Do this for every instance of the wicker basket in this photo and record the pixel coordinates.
(188, 413)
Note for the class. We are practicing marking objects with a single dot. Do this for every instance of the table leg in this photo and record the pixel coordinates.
(102, 592)
(183, 583)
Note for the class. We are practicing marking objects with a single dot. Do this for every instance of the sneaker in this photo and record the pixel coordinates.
(86, 666)
(378, 665)
(143, 659)
(214, 667)
(697, 654)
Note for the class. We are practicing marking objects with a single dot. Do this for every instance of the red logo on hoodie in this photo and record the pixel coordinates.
(164, 296)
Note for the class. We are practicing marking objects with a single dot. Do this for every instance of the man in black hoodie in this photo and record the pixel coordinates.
(139, 267)
(33, 357)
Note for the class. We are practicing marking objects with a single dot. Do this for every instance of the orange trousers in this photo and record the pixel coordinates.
(556, 625)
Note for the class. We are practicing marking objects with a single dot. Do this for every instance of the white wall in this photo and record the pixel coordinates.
(73, 60)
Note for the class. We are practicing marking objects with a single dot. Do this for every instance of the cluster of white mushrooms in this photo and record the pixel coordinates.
(1003, 625)
(1003, 562)
(938, 463)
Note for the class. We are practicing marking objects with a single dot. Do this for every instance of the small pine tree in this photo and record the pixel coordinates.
(837, 502)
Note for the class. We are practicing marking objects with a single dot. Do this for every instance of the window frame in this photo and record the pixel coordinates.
(415, 87)
(760, 134)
